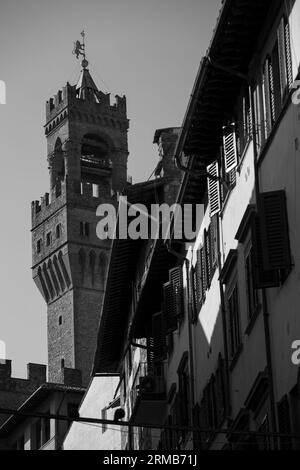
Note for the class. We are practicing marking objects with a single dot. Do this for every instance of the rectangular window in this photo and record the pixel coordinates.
(39, 246)
(252, 293)
(48, 239)
(58, 231)
(234, 322)
(84, 229)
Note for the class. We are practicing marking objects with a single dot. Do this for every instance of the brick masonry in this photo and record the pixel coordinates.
(70, 271)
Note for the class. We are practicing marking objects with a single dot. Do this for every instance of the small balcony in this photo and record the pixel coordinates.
(92, 163)
(148, 395)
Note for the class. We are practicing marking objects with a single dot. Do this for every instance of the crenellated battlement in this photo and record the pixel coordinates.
(36, 373)
(67, 97)
(62, 98)
(15, 391)
(48, 203)
(36, 376)
(65, 191)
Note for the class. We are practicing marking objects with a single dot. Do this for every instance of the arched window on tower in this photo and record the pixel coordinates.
(102, 265)
(92, 265)
(58, 231)
(81, 260)
(95, 162)
(57, 164)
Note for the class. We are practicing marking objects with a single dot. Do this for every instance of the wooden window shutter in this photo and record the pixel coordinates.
(288, 55)
(159, 337)
(207, 253)
(230, 148)
(267, 97)
(203, 272)
(271, 91)
(150, 350)
(214, 241)
(169, 308)
(262, 279)
(199, 276)
(282, 56)
(194, 285)
(284, 423)
(176, 280)
(275, 231)
(276, 83)
(285, 56)
(214, 193)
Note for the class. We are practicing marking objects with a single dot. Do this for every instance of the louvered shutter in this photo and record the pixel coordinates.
(276, 81)
(267, 97)
(288, 55)
(150, 350)
(199, 276)
(214, 241)
(176, 280)
(230, 148)
(245, 125)
(203, 272)
(275, 232)
(249, 113)
(169, 308)
(159, 337)
(282, 56)
(207, 253)
(214, 194)
(194, 294)
(262, 279)
(272, 91)
(284, 423)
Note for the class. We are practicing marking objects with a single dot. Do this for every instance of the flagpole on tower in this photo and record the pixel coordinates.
(79, 49)
(83, 42)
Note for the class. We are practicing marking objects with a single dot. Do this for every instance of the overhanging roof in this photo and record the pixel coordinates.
(220, 77)
(43, 392)
(118, 293)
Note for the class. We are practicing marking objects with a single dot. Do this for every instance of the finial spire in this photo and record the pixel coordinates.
(79, 49)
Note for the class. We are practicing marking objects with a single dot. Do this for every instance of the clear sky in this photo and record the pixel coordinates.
(148, 50)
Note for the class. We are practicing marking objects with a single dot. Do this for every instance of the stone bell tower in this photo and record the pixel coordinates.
(87, 158)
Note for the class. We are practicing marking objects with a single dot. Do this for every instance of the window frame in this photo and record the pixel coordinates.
(234, 336)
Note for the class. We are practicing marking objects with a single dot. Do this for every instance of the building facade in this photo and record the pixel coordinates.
(210, 326)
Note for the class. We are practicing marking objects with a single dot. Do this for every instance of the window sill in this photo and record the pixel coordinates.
(252, 320)
(235, 358)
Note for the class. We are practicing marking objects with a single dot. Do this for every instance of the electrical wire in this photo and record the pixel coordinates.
(130, 424)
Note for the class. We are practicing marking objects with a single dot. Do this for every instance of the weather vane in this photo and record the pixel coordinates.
(79, 49)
